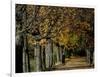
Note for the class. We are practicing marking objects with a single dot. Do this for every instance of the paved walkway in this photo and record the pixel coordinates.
(73, 63)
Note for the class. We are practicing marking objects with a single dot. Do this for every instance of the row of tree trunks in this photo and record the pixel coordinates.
(43, 56)
(59, 54)
(22, 55)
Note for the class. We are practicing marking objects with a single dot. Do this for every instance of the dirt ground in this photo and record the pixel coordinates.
(73, 63)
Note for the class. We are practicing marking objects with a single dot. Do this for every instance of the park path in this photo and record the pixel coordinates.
(72, 63)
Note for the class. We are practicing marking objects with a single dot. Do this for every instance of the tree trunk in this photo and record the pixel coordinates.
(43, 57)
(58, 54)
(48, 54)
(25, 56)
(88, 56)
(61, 50)
(52, 52)
(37, 58)
(29, 69)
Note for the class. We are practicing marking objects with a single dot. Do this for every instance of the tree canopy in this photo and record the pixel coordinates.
(68, 26)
